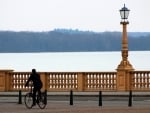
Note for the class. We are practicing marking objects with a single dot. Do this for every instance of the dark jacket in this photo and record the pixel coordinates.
(35, 78)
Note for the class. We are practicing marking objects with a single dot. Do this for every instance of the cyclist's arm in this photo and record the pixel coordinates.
(27, 83)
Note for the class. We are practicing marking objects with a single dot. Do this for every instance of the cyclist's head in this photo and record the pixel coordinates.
(33, 71)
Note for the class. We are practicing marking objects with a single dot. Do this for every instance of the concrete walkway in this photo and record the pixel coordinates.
(81, 104)
(79, 107)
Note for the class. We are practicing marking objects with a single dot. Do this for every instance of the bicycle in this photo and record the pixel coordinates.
(40, 100)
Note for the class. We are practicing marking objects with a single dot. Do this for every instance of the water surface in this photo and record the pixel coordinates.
(72, 61)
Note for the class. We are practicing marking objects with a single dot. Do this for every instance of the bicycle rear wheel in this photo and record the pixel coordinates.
(41, 101)
(28, 100)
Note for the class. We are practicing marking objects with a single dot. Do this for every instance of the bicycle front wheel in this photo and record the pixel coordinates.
(28, 100)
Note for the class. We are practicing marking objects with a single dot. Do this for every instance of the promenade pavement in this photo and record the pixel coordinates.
(81, 104)
(78, 107)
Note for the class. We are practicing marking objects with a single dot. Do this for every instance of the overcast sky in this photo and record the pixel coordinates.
(93, 15)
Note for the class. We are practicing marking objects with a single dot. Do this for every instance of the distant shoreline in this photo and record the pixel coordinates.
(62, 40)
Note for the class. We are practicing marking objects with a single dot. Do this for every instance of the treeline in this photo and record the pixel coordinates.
(61, 40)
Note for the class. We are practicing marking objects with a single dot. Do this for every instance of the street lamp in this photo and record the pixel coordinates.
(124, 13)
(123, 69)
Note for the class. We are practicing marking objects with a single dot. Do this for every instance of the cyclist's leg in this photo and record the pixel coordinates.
(34, 95)
(39, 91)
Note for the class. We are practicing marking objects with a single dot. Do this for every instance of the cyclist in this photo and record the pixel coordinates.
(37, 84)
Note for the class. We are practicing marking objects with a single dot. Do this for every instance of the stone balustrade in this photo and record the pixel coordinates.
(77, 81)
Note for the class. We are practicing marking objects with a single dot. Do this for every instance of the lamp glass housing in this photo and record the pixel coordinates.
(124, 13)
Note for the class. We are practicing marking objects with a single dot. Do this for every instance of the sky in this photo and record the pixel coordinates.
(92, 15)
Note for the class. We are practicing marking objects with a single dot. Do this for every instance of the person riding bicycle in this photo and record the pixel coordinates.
(37, 84)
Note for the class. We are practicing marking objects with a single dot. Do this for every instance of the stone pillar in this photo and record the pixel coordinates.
(123, 80)
(43, 77)
(81, 81)
(5, 80)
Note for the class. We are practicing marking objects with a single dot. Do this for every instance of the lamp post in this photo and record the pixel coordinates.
(125, 64)
(123, 69)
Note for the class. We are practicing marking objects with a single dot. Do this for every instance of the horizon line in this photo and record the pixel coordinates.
(69, 29)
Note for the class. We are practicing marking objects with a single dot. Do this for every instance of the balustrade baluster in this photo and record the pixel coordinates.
(148, 80)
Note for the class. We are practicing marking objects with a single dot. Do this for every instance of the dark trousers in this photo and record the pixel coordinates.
(36, 90)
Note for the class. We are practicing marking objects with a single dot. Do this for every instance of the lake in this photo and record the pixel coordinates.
(72, 61)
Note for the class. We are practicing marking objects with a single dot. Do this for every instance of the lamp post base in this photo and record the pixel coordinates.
(125, 65)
